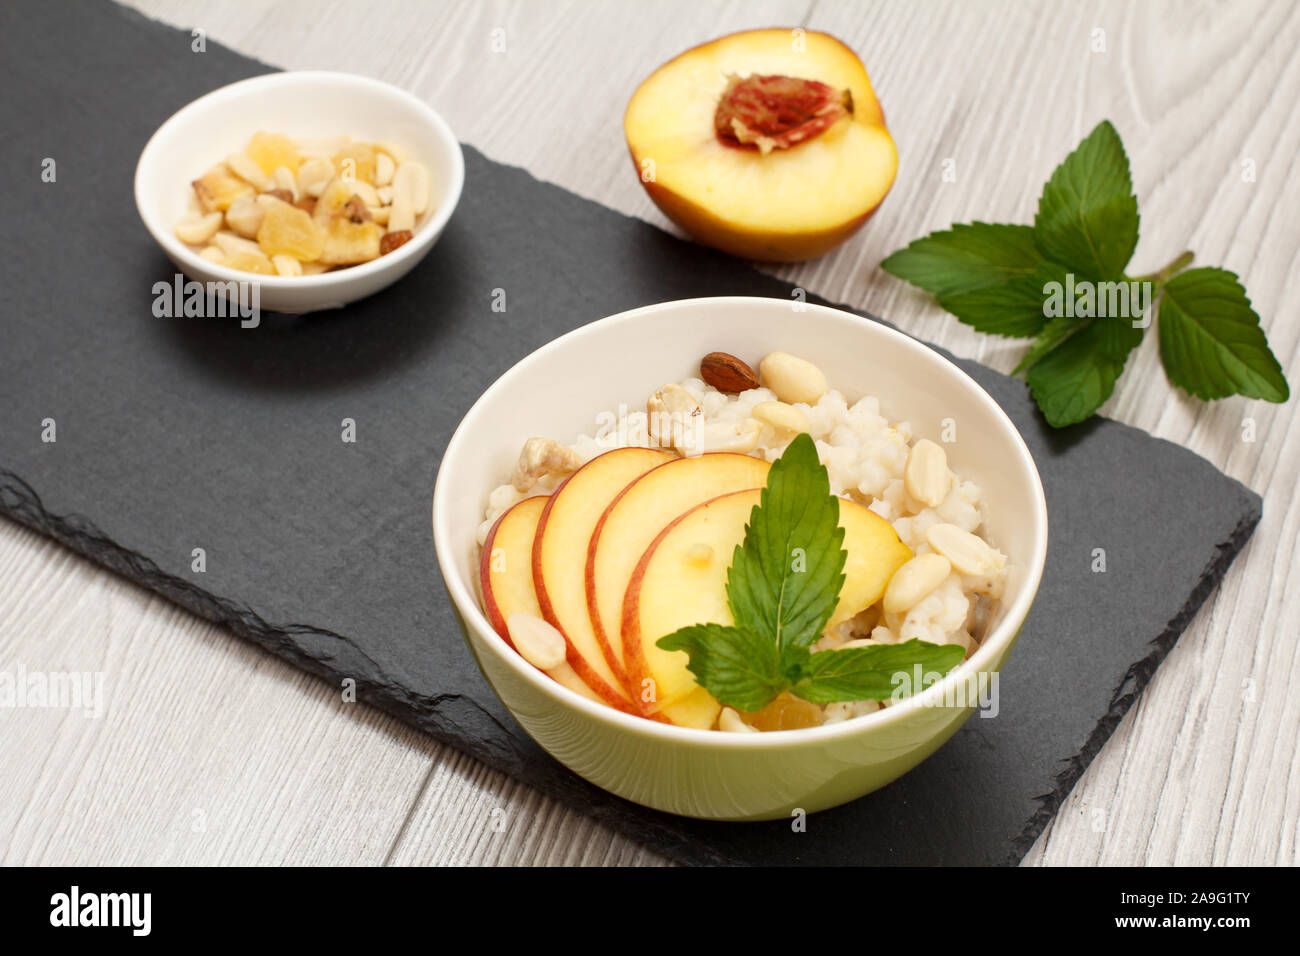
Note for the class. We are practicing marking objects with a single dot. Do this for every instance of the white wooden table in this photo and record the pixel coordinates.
(212, 751)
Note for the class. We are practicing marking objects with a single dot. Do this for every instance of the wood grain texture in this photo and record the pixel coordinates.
(1202, 770)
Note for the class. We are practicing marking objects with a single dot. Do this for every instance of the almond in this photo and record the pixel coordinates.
(392, 240)
(727, 373)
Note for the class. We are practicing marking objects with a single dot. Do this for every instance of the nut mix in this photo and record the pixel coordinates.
(302, 207)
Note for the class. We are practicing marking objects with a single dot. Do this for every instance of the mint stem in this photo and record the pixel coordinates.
(1161, 276)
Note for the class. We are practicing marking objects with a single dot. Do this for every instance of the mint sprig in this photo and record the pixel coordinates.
(783, 585)
(1007, 280)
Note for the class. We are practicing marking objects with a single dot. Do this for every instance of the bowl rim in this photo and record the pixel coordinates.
(472, 614)
(420, 241)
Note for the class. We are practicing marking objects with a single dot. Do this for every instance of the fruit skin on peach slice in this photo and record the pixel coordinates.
(671, 588)
(506, 579)
(783, 206)
(559, 555)
(639, 513)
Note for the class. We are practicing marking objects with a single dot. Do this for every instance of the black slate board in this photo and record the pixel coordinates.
(174, 434)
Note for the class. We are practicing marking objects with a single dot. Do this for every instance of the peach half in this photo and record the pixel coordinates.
(767, 144)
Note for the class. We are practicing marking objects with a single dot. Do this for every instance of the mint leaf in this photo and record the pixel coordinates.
(785, 578)
(966, 258)
(867, 673)
(1055, 332)
(741, 669)
(1087, 213)
(1210, 340)
(1075, 378)
(1014, 309)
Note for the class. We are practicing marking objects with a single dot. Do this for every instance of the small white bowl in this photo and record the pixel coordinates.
(301, 105)
(559, 390)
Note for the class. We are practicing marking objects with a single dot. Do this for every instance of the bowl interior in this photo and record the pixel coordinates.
(300, 105)
(575, 383)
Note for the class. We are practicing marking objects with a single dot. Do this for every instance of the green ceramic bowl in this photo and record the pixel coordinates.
(559, 391)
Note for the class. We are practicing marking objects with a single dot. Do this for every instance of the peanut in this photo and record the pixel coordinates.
(786, 419)
(968, 553)
(243, 166)
(729, 720)
(541, 457)
(198, 230)
(926, 476)
(914, 580)
(285, 179)
(414, 177)
(313, 176)
(735, 437)
(792, 379)
(245, 216)
(384, 169)
(537, 642)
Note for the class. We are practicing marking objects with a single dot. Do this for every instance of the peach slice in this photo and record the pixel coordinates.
(682, 579)
(506, 577)
(633, 520)
(560, 555)
(767, 144)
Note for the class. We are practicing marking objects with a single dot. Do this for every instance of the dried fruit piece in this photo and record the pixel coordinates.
(787, 712)
(332, 200)
(307, 204)
(354, 210)
(347, 243)
(271, 150)
(219, 187)
(393, 240)
(286, 265)
(251, 262)
(356, 162)
(727, 373)
(288, 230)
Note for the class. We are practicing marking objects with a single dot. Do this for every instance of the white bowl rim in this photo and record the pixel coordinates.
(994, 645)
(165, 237)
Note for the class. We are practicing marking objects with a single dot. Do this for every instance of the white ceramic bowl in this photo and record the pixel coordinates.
(300, 105)
(560, 389)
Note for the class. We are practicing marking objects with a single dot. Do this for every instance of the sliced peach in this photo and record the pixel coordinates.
(506, 577)
(767, 144)
(682, 580)
(642, 510)
(560, 553)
